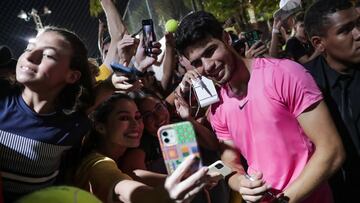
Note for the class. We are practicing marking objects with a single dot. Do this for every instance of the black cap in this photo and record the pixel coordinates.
(6, 59)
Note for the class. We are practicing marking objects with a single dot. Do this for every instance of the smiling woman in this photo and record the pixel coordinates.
(41, 121)
(117, 127)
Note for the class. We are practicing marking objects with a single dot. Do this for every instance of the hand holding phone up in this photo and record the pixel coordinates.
(258, 49)
(148, 49)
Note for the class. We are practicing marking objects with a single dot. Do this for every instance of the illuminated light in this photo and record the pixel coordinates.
(31, 40)
(23, 15)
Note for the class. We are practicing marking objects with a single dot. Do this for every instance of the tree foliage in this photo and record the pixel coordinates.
(95, 8)
(264, 9)
(224, 9)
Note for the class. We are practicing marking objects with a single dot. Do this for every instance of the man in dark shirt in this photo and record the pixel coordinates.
(334, 28)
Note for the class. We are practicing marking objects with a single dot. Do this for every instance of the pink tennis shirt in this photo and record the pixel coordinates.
(263, 125)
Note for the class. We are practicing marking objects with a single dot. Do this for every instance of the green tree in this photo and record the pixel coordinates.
(224, 9)
(95, 8)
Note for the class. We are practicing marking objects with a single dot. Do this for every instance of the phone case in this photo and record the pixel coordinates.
(121, 68)
(205, 90)
(129, 72)
(221, 168)
(177, 141)
(252, 37)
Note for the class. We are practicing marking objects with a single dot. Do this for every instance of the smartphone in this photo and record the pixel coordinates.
(239, 45)
(125, 70)
(205, 91)
(221, 168)
(178, 141)
(252, 37)
(148, 34)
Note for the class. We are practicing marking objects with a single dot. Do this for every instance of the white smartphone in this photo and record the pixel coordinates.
(205, 91)
(221, 168)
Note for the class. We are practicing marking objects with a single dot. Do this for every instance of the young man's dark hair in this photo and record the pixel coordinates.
(316, 20)
(196, 27)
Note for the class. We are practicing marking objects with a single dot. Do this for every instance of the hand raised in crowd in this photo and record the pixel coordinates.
(170, 39)
(184, 190)
(144, 61)
(122, 84)
(278, 28)
(126, 48)
(192, 73)
(252, 189)
(256, 50)
(182, 107)
(187, 79)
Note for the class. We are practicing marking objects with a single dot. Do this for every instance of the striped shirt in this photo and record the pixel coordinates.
(32, 145)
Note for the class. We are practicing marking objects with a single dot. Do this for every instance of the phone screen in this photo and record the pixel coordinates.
(252, 37)
(149, 35)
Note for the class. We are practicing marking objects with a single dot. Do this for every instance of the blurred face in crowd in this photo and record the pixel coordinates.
(105, 50)
(124, 125)
(155, 114)
(214, 57)
(300, 29)
(341, 43)
(45, 63)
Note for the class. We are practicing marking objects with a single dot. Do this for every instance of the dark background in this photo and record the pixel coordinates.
(71, 14)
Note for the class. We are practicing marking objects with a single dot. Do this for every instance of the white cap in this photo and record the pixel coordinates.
(287, 8)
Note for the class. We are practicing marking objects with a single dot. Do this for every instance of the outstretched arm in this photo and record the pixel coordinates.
(168, 62)
(116, 26)
(174, 189)
(116, 29)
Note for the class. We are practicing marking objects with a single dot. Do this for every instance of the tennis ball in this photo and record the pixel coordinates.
(171, 25)
(59, 194)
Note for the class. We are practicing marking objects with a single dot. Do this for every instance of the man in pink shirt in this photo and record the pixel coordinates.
(271, 112)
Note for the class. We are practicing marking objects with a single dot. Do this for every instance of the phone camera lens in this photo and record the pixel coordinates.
(166, 140)
(165, 134)
(219, 166)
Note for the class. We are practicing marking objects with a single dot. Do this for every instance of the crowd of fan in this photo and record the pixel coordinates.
(287, 122)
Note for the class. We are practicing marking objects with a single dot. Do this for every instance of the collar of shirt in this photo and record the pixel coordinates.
(334, 77)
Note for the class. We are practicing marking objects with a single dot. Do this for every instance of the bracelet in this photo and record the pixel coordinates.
(275, 31)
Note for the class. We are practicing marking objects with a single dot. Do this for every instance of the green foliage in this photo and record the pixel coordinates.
(264, 9)
(95, 8)
(224, 9)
